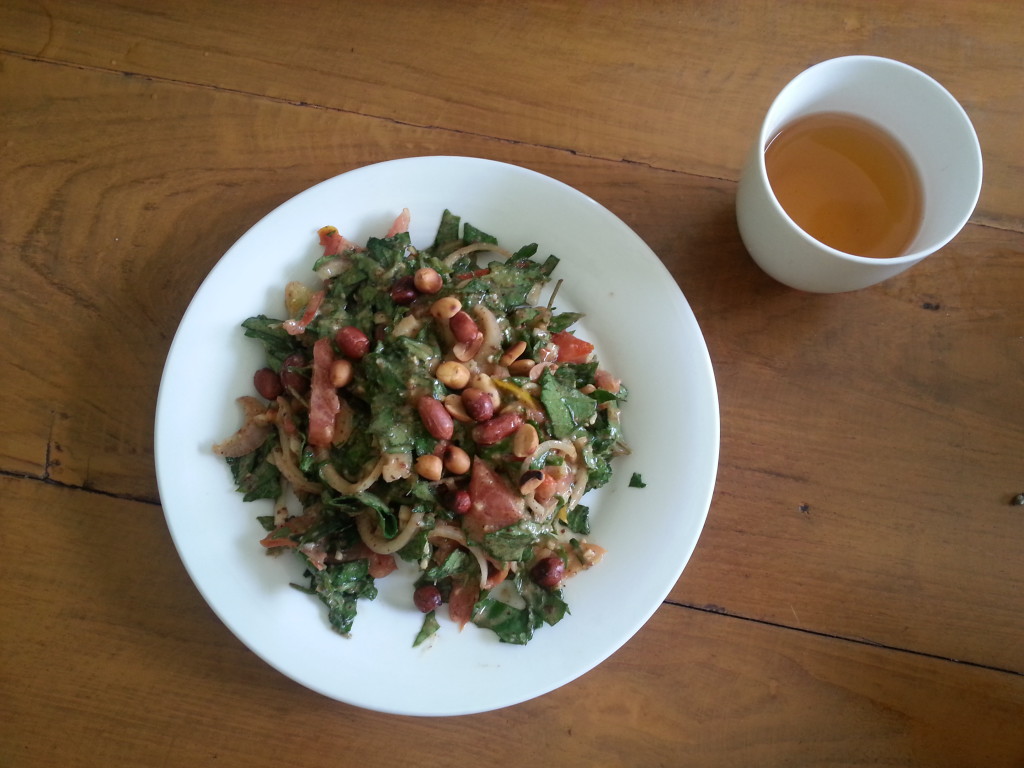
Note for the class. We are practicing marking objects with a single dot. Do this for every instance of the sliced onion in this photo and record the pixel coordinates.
(445, 531)
(579, 487)
(408, 326)
(490, 348)
(291, 472)
(333, 478)
(252, 433)
(562, 446)
(378, 543)
(457, 254)
(395, 466)
(333, 267)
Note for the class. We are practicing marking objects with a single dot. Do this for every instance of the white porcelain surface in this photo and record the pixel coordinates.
(645, 333)
(932, 127)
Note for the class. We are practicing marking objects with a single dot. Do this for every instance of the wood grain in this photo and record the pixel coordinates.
(148, 226)
(553, 74)
(138, 671)
(857, 596)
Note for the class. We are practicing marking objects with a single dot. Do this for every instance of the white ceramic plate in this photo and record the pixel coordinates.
(645, 333)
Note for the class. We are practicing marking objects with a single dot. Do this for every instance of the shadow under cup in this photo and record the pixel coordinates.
(930, 126)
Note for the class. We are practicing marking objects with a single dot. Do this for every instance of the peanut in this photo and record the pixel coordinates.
(521, 367)
(466, 351)
(452, 374)
(341, 373)
(427, 280)
(456, 460)
(453, 404)
(549, 572)
(513, 353)
(525, 442)
(485, 383)
(428, 466)
(403, 291)
(445, 307)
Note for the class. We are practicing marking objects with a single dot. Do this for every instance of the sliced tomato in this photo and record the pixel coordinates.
(604, 380)
(315, 553)
(553, 484)
(463, 597)
(381, 565)
(571, 349)
(470, 275)
(334, 242)
(401, 224)
(296, 327)
(494, 503)
(323, 399)
(279, 538)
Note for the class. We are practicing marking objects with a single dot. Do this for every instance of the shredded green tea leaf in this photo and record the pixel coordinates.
(428, 410)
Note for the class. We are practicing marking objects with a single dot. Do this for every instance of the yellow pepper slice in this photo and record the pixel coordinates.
(519, 393)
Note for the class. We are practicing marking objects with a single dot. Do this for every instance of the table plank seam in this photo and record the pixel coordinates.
(299, 103)
(47, 480)
(864, 641)
(991, 224)
(706, 609)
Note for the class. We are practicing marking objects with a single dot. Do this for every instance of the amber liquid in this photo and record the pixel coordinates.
(846, 183)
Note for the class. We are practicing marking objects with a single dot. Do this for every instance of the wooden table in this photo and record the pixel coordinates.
(857, 596)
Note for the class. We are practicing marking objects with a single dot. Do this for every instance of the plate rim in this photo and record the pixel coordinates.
(483, 166)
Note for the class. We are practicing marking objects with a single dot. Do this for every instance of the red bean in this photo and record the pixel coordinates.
(427, 598)
(290, 377)
(435, 418)
(548, 572)
(498, 428)
(403, 291)
(267, 383)
(352, 342)
(478, 404)
(463, 327)
(459, 502)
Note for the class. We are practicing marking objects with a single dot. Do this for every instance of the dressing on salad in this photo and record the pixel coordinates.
(419, 406)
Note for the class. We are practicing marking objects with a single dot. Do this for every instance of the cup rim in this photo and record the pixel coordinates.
(974, 148)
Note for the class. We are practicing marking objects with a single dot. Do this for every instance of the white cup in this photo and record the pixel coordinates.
(919, 113)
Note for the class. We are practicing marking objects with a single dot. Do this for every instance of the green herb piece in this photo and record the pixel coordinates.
(510, 283)
(511, 625)
(563, 321)
(516, 625)
(512, 543)
(277, 342)
(447, 230)
(388, 252)
(635, 481)
(430, 627)
(335, 525)
(567, 407)
(387, 520)
(578, 519)
(458, 562)
(254, 476)
(524, 253)
(473, 235)
(339, 587)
